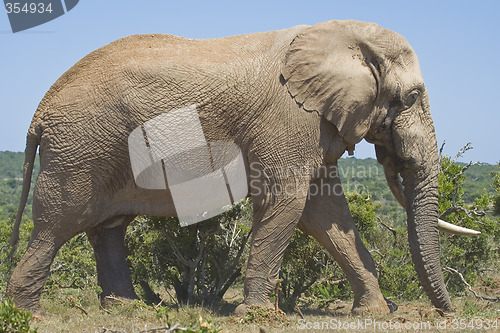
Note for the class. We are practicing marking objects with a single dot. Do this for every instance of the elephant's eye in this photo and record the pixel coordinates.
(411, 98)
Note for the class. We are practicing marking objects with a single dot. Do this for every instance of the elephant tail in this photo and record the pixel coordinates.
(32, 143)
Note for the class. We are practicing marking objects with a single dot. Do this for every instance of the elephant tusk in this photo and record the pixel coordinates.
(455, 229)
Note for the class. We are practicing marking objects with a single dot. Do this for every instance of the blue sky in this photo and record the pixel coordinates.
(457, 44)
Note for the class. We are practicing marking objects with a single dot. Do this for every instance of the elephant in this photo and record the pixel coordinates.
(290, 98)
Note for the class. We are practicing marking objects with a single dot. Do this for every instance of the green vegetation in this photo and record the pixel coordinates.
(200, 261)
(11, 181)
(13, 319)
(198, 264)
(467, 255)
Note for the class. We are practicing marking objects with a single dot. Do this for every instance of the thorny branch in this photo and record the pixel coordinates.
(441, 155)
(394, 232)
(328, 279)
(178, 254)
(76, 305)
(166, 329)
(224, 284)
(468, 146)
(469, 287)
(217, 289)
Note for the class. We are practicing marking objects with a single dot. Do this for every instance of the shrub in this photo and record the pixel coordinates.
(13, 319)
(200, 261)
(467, 255)
(306, 266)
(74, 266)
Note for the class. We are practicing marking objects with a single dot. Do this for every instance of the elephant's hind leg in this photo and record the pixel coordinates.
(327, 218)
(28, 278)
(113, 273)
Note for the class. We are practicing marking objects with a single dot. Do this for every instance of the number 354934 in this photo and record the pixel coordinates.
(28, 8)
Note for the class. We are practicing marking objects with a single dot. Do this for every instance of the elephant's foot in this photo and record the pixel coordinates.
(243, 308)
(26, 303)
(24, 300)
(113, 274)
(371, 305)
(257, 290)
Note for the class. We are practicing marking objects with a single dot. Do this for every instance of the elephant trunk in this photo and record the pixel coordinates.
(420, 181)
(423, 236)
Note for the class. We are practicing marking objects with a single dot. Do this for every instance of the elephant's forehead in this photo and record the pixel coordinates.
(406, 72)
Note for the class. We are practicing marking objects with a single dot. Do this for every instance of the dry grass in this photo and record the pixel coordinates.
(66, 313)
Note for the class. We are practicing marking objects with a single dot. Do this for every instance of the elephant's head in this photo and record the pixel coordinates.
(367, 82)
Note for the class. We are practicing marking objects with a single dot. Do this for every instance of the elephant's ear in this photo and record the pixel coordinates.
(329, 68)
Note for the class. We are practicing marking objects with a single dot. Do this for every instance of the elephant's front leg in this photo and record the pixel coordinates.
(328, 219)
(273, 227)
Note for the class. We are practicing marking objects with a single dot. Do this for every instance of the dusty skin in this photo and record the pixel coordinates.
(294, 97)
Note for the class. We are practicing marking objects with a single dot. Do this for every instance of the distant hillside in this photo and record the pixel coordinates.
(361, 175)
(368, 171)
(11, 175)
(479, 181)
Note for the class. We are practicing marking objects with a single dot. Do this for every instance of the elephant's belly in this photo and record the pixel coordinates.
(139, 201)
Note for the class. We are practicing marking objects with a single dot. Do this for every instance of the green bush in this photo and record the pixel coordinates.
(200, 261)
(74, 266)
(467, 255)
(13, 319)
(306, 267)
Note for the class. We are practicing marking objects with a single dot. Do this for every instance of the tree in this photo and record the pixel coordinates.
(200, 261)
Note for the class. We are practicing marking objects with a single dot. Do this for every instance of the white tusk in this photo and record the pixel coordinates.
(455, 229)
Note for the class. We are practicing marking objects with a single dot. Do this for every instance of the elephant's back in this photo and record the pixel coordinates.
(226, 50)
(88, 113)
(109, 71)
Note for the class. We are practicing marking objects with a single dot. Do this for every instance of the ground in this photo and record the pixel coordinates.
(78, 311)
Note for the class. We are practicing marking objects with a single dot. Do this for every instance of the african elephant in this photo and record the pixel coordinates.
(289, 98)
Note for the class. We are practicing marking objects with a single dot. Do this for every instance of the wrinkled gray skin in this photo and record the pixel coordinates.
(290, 98)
